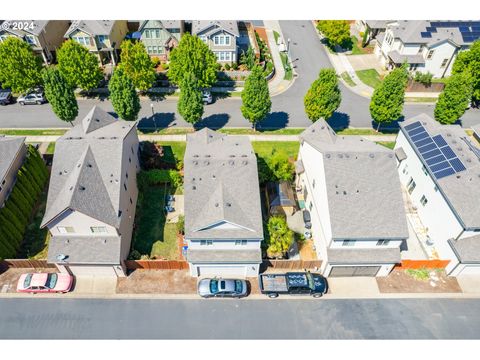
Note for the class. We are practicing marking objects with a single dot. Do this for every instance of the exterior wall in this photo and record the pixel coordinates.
(225, 270)
(51, 37)
(444, 50)
(385, 269)
(119, 30)
(81, 224)
(78, 33)
(11, 175)
(232, 48)
(223, 245)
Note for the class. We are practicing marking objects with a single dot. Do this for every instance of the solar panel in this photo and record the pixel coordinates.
(443, 173)
(425, 34)
(457, 165)
(424, 142)
(413, 125)
(427, 148)
(439, 140)
(420, 136)
(448, 152)
(440, 166)
(435, 159)
(431, 154)
(416, 131)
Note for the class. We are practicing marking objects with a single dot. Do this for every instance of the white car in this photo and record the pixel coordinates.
(233, 288)
(207, 97)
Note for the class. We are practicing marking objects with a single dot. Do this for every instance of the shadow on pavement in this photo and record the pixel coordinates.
(274, 121)
(339, 121)
(157, 122)
(393, 126)
(215, 121)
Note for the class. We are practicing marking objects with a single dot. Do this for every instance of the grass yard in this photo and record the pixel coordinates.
(356, 48)
(354, 131)
(286, 66)
(153, 237)
(50, 148)
(388, 144)
(346, 77)
(421, 99)
(370, 77)
(32, 132)
(264, 148)
(173, 149)
(276, 35)
(249, 131)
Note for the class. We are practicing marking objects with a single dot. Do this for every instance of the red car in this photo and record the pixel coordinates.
(45, 283)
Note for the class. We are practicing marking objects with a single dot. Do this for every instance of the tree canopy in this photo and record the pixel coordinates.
(454, 99)
(137, 64)
(190, 103)
(323, 97)
(256, 103)
(470, 60)
(19, 66)
(193, 55)
(60, 95)
(79, 67)
(123, 95)
(337, 32)
(279, 237)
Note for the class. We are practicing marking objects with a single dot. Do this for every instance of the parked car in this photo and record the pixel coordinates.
(293, 283)
(307, 219)
(233, 288)
(45, 283)
(5, 97)
(207, 97)
(35, 97)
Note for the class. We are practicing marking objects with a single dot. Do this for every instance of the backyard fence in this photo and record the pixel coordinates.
(26, 263)
(156, 264)
(420, 264)
(292, 264)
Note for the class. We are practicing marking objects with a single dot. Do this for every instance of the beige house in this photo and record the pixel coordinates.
(160, 36)
(13, 152)
(45, 36)
(101, 37)
(92, 196)
(221, 37)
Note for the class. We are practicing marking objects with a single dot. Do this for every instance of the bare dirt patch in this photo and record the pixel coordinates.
(401, 281)
(157, 282)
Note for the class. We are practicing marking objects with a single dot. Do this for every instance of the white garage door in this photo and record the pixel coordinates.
(92, 270)
(221, 271)
(345, 271)
(470, 270)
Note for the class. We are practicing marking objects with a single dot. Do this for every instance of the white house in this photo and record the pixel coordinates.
(440, 168)
(352, 191)
(220, 36)
(223, 218)
(92, 196)
(426, 45)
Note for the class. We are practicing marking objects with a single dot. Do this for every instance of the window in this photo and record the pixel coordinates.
(424, 169)
(240, 242)
(206, 242)
(411, 186)
(98, 229)
(31, 39)
(203, 38)
(102, 39)
(423, 200)
(125, 186)
(131, 201)
(65, 229)
(310, 206)
(430, 54)
(348, 243)
(383, 242)
(444, 63)
(154, 49)
(83, 40)
(149, 50)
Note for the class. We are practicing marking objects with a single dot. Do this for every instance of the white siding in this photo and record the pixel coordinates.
(223, 245)
(81, 223)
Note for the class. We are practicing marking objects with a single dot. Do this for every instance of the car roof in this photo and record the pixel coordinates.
(39, 279)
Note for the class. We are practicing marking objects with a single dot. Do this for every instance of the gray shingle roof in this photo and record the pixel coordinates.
(85, 249)
(221, 187)
(231, 26)
(363, 256)
(461, 190)
(9, 148)
(37, 28)
(378, 24)
(363, 188)
(87, 169)
(225, 256)
(476, 130)
(467, 250)
(398, 58)
(92, 27)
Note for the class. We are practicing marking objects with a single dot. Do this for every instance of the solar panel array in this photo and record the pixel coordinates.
(470, 30)
(437, 154)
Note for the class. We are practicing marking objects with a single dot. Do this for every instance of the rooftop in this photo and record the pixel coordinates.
(36, 28)
(92, 27)
(231, 26)
(362, 184)
(467, 249)
(9, 148)
(224, 256)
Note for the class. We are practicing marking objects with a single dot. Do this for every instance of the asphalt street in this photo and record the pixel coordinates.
(239, 319)
(308, 57)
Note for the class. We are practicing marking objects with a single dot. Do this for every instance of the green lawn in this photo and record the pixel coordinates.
(356, 49)
(346, 77)
(264, 148)
(153, 236)
(51, 148)
(247, 131)
(32, 132)
(421, 99)
(276, 35)
(388, 144)
(174, 149)
(370, 77)
(286, 66)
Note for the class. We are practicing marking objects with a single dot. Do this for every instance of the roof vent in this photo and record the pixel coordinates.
(244, 162)
(390, 156)
(228, 204)
(194, 187)
(62, 257)
(231, 162)
(213, 176)
(344, 192)
(97, 120)
(65, 171)
(244, 155)
(60, 173)
(207, 155)
(449, 135)
(216, 204)
(104, 241)
(82, 188)
(195, 156)
(89, 165)
(78, 165)
(206, 162)
(454, 141)
(195, 163)
(340, 156)
(347, 156)
(232, 156)
(327, 156)
(67, 241)
(71, 188)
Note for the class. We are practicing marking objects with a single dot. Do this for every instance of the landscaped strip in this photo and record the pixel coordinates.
(346, 77)
(370, 77)
(286, 66)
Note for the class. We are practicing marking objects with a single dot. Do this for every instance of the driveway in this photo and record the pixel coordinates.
(364, 62)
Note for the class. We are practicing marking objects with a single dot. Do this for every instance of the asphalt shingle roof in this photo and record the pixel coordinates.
(225, 256)
(231, 26)
(363, 188)
(9, 148)
(92, 27)
(467, 249)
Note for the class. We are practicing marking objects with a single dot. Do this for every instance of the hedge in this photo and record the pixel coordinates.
(16, 212)
(158, 176)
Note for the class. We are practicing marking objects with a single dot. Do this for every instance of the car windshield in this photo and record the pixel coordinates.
(238, 286)
(311, 281)
(28, 280)
(214, 286)
(51, 281)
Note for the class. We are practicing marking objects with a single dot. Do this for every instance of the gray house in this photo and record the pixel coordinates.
(223, 220)
(92, 196)
(221, 37)
(161, 36)
(12, 155)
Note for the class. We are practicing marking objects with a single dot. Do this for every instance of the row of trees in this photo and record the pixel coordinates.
(15, 214)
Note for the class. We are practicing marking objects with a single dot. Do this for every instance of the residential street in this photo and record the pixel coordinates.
(287, 109)
(247, 319)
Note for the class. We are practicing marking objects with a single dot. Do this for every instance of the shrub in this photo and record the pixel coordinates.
(134, 255)
(181, 224)
(235, 66)
(227, 67)
(425, 79)
(278, 237)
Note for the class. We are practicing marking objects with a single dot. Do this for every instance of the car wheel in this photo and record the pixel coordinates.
(273, 295)
(317, 295)
(21, 103)
(38, 102)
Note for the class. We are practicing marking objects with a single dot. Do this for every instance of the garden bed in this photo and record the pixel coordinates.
(418, 281)
(414, 86)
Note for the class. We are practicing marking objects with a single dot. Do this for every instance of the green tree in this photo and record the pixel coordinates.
(19, 66)
(123, 95)
(60, 95)
(248, 58)
(193, 55)
(137, 64)
(256, 103)
(279, 237)
(337, 32)
(190, 103)
(470, 60)
(323, 97)
(79, 67)
(387, 100)
(454, 99)
(280, 166)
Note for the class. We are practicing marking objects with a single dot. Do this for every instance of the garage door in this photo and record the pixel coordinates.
(92, 270)
(222, 271)
(339, 271)
(470, 270)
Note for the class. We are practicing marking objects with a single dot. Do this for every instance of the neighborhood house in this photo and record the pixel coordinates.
(160, 36)
(12, 154)
(220, 36)
(92, 196)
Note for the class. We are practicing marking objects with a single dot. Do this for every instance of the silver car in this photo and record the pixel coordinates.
(32, 98)
(216, 287)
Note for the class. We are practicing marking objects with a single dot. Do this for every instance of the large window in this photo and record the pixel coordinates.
(31, 39)
(65, 229)
(98, 229)
(83, 40)
(240, 242)
(102, 40)
(221, 40)
(224, 55)
(383, 242)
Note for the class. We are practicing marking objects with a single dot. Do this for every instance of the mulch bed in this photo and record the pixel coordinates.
(399, 281)
(413, 86)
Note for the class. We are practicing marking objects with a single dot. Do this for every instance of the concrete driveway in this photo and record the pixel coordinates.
(364, 62)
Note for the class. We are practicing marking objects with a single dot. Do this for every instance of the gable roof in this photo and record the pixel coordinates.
(230, 26)
(87, 169)
(36, 28)
(221, 186)
(9, 148)
(92, 27)
(362, 184)
(461, 189)
(165, 35)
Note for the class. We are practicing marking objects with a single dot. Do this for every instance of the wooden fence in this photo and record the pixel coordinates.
(26, 263)
(292, 264)
(419, 264)
(156, 264)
